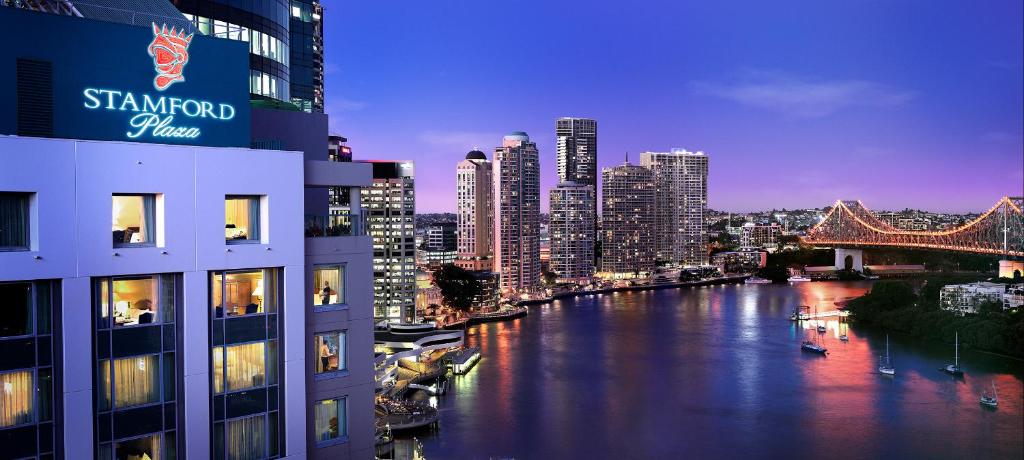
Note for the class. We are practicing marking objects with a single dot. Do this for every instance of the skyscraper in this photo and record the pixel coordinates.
(576, 145)
(681, 182)
(390, 205)
(475, 204)
(306, 55)
(627, 220)
(517, 214)
(571, 227)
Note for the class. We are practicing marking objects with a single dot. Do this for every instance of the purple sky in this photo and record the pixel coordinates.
(897, 103)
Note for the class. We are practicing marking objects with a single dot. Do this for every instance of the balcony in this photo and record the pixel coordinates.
(333, 225)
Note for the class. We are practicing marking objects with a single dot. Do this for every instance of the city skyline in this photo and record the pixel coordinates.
(822, 86)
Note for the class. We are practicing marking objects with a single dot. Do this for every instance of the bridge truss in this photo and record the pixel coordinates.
(998, 231)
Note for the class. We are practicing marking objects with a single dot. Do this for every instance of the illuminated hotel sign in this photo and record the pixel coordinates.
(154, 116)
(157, 83)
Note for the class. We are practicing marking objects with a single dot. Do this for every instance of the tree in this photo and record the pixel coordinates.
(550, 278)
(458, 286)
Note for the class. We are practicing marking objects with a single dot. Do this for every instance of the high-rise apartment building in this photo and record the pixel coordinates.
(681, 181)
(475, 204)
(576, 151)
(306, 54)
(571, 228)
(185, 313)
(390, 204)
(627, 220)
(517, 214)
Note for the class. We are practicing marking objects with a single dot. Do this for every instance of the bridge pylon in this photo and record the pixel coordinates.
(850, 259)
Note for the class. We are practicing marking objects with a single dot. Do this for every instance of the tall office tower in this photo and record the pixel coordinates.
(306, 55)
(517, 214)
(571, 227)
(440, 237)
(475, 212)
(681, 180)
(264, 25)
(390, 204)
(627, 220)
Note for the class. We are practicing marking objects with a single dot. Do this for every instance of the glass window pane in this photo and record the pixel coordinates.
(138, 448)
(243, 293)
(167, 298)
(246, 366)
(14, 220)
(271, 362)
(17, 398)
(270, 290)
(133, 219)
(218, 370)
(217, 295)
(16, 301)
(326, 420)
(328, 285)
(103, 322)
(136, 381)
(136, 301)
(246, 438)
(242, 218)
(330, 348)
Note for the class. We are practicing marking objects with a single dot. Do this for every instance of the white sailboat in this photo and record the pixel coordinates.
(885, 367)
(990, 401)
(954, 369)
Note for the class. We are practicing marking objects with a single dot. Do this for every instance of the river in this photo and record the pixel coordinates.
(717, 372)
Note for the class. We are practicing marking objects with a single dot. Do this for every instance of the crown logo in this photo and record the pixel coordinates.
(169, 51)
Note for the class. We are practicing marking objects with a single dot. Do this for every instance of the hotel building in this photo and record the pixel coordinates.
(162, 296)
(681, 187)
(517, 215)
(475, 204)
(390, 204)
(627, 221)
(571, 228)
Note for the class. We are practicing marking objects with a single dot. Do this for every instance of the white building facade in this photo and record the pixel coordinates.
(681, 182)
(475, 204)
(964, 299)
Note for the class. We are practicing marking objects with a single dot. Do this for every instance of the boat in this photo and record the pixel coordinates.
(885, 367)
(990, 401)
(798, 278)
(812, 347)
(842, 332)
(954, 369)
(804, 316)
(844, 337)
(756, 280)
(821, 323)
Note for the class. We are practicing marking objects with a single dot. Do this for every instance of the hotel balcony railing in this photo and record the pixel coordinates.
(319, 226)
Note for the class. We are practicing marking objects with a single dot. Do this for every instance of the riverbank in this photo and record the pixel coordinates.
(642, 287)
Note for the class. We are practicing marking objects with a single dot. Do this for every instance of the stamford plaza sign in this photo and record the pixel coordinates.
(154, 116)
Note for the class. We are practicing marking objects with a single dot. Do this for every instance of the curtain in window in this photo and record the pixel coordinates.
(326, 420)
(327, 286)
(246, 366)
(13, 220)
(247, 438)
(17, 391)
(342, 365)
(254, 218)
(148, 229)
(136, 380)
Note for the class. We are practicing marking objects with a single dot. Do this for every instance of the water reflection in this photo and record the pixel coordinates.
(663, 374)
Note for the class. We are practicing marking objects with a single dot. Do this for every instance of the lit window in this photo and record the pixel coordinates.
(138, 448)
(328, 285)
(246, 366)
(247, 438)
(136, 301)
(244, 293)
(17, 395)
(330, 348)
(136, 381)
(14, 218)
(134, 219)
(242, 219)
(296, 11)
(331, 420)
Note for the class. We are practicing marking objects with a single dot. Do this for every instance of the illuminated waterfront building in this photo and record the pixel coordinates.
(390, 205)
(571, 228)
(475, 204)
(517, 214)
(627, 220)
(681, 183)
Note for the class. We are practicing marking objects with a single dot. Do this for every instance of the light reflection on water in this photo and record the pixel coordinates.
(717, 371)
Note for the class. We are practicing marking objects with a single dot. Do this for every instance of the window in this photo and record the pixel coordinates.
(146, 447)
(331, 420)
(134, 220)
(242, 219)
(16, 317)
(136, 301)
(136, 382)
(244, 293)
(14, 218)
(330, 348)
(247, 438)
(245, 365)
(17, 395)
(328, 285)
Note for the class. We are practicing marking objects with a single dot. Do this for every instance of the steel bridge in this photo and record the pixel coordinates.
(998, 231)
